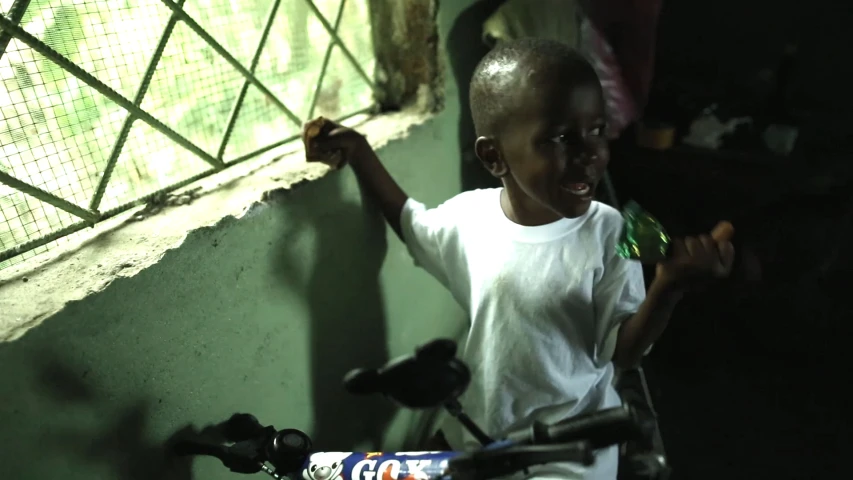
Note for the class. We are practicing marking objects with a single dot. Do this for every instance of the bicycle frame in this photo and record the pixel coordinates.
(439, 465)
(377, 465)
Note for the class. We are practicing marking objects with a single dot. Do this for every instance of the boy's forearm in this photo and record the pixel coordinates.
(638, 333)
(379, 185)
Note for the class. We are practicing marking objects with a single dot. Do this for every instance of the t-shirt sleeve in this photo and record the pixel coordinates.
(428, 233)
(617, 296)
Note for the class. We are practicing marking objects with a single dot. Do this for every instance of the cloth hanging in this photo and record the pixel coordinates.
(552, 19)
(620, 106)
(630, 27)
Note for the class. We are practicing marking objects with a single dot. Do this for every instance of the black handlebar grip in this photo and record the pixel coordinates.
(241, 427)
(187, 448)
(501, 462)
(601, 429)
(234, 461)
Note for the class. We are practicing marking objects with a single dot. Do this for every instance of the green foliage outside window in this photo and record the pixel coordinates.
(58, 133)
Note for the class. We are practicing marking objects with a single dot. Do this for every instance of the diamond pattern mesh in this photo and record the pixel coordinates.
(69, 138)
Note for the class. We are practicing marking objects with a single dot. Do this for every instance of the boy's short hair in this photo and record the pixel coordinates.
(493, 84)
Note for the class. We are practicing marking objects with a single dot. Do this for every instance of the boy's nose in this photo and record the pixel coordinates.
(585, 158)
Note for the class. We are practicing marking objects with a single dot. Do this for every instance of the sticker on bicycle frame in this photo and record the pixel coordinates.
(376, 465)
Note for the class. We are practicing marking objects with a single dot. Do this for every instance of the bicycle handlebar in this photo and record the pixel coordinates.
(600, 429)
(494, 463)
(289, 450)
(430, 377)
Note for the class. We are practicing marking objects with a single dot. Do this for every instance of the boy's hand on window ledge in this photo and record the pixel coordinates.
(332, 144)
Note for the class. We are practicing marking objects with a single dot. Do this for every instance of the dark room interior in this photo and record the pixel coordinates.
(170, 255)
(748, 380)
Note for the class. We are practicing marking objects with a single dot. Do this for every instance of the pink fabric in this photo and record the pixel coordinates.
(619, 102)
(619, 37)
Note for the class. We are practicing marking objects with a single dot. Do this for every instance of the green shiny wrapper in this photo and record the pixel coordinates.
(643, 237)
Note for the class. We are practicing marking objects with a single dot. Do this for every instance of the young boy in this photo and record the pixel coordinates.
(552, 307)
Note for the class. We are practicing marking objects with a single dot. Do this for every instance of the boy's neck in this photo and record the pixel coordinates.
(522, 210)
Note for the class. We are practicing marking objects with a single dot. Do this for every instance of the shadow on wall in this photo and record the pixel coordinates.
(120, 444)
(468, 48)
(345, 308)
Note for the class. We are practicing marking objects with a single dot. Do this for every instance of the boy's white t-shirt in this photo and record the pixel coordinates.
(544, 304)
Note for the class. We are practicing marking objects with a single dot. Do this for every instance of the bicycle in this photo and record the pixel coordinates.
(429, 378)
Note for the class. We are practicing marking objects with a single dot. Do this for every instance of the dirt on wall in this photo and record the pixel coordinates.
(406, 43)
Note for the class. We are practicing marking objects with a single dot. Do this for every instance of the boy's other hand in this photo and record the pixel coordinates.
(332, 144)
(696, 260)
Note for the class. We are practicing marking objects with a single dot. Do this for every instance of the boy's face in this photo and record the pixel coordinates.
(553, 151)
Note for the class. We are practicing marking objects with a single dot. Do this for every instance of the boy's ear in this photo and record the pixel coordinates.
(488, 152)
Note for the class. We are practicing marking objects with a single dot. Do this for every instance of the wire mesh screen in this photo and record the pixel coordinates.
(107, 104)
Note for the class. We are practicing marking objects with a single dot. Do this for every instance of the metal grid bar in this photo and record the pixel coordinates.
(184, 16)
(326, 59)
(235, 110)
(10, 28)
(76, 227)
(72, 68)
(128, 121)
(48, 197)
(16, 14)
(337, 40)
(279, 143)
(42, 241)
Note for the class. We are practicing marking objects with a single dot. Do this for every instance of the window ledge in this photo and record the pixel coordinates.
(34, 290)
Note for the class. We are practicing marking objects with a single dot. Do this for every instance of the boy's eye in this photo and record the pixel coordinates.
(568, 138)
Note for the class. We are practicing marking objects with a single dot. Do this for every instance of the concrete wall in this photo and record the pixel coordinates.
(263, 314)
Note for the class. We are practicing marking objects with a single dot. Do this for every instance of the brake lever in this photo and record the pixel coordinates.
(244, 445)
(243, 457)
(648, 465)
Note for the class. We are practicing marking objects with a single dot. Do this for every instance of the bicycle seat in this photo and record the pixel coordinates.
(429, 378)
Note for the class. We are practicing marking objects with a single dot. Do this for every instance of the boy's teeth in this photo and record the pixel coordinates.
(578, 188)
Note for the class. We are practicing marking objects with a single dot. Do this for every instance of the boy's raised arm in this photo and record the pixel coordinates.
(380, 185)
(334, 145)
